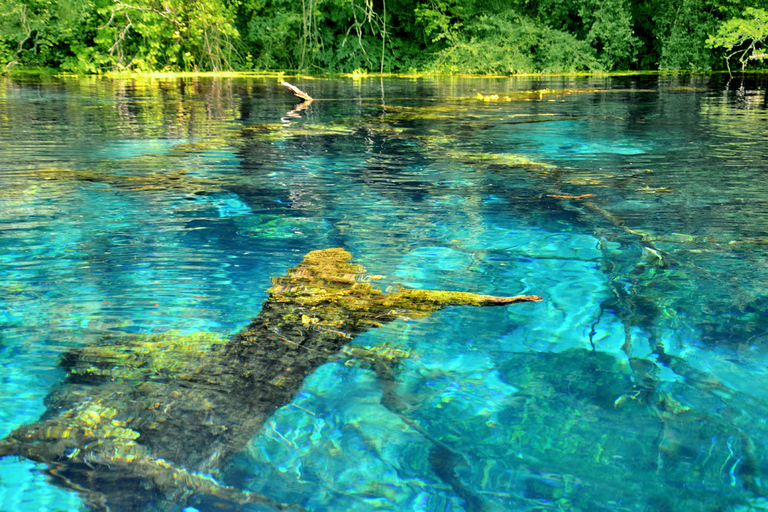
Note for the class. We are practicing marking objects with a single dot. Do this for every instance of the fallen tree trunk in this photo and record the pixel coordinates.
(140, 422)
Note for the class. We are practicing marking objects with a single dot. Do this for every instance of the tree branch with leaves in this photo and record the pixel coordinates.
(744, 38)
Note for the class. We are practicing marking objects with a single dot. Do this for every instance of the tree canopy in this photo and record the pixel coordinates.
(481, 36)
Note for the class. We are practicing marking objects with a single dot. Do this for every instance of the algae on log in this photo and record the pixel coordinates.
(140, 423)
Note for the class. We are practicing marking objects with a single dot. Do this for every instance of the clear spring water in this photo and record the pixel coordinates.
(636, 206)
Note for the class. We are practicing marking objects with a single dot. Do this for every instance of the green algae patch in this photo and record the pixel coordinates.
(281, 131)
(169, 354)
(418, 303)
(529, 95)
(439, 147)
(177, 180)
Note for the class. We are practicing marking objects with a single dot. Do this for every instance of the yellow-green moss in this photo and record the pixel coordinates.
(423, 302)
(171, 354)
(325, 278)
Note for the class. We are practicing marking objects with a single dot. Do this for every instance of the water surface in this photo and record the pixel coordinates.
(636, 206)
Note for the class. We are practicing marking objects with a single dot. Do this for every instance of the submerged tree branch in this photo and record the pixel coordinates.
(298, 92)
(139, 420)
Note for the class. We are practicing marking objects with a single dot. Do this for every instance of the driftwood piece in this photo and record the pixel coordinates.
(140, 423)
(298, 92)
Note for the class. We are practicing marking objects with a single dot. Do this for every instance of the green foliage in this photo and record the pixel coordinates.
(42, 32)
(744, 38)
(610, 32)
(172, 34)
(481, 36)
(90, 35)
(266, 26)
(685, 26)
(606, 26)
(680, 28)
(6, 56)
(507, 43)
(440, 19)
(675, 32)
(317, 35)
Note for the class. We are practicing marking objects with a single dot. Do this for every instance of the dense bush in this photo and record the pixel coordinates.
(508, 43)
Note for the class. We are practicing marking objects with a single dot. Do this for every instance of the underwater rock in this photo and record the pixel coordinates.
(142, 422)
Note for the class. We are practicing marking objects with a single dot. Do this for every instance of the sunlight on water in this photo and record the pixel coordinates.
(635, 206)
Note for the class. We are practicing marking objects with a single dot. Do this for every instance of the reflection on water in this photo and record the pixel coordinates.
(634, 205)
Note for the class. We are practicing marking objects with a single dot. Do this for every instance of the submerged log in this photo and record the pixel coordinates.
(140, 423)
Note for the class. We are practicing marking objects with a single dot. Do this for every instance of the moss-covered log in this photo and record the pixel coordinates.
(140, 423)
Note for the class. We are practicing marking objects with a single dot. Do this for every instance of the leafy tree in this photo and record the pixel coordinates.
(610, 32)
(679, 30)
(169, 34)
(510, 43)
(319, 35)
(350, 36)
(441, 20)
(43, 32)
(682, 28)
(744, 38)
(645, 28)
(267, 28)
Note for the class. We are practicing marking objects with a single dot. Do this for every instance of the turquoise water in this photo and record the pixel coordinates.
(635, 206)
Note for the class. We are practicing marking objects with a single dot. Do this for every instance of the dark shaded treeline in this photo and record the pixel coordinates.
(481, 36)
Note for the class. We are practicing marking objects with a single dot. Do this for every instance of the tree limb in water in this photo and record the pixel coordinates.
(298, 92)
(145, 421)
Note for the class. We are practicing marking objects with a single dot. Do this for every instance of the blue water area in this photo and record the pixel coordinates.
(634, 206)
